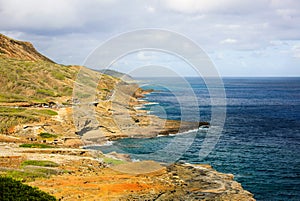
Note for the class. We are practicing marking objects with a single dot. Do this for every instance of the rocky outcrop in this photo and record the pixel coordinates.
(92, 180)
(115, 116)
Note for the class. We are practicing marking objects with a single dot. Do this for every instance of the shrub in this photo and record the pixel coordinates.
(47, 135)
(113, 161)
(58, 75)
(35, 146)
(11, 110)
(46, 112)
(40, 163)
(46, 92)
(15, 190)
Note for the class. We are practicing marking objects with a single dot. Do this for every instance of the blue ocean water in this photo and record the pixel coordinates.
(260, 141)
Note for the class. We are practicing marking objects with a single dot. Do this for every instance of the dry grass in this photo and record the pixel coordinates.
(10, 117)
(34, 81)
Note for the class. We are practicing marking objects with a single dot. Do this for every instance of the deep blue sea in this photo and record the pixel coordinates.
(260, 140)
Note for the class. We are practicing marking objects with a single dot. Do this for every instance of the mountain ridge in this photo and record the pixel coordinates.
(22, 50)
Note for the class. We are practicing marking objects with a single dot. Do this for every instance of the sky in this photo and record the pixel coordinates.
(241, 37)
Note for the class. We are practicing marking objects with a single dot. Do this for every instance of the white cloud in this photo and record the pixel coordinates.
(50, 14)
(150, 9)
(209, 6)
(34, 13)
(296, 51)
(229, 41)
(67, 30)
(145, 56)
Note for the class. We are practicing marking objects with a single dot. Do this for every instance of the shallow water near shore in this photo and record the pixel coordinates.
(260, 140)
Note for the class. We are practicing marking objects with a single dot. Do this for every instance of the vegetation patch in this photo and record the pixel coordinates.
(112, 161)
(46, 112)
(11, 98)
(47, 135)
(15, 190)
(105, 89)
(35, 146)
(46, 92)
(25, 175)
(37, 101)
(58, 75)
(10, 117)
(39, 163)
(11, 110)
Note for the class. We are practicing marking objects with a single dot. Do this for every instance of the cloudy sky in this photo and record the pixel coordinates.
(242, 37)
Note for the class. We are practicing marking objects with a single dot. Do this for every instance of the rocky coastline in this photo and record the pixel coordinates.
(91, 175)
(43, 132)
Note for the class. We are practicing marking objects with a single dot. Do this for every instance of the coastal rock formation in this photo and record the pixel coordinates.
(37, 101)
(91, 180)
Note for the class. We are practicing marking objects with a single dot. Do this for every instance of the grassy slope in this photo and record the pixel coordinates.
(31, 82)
(28, 78)
(34, 81)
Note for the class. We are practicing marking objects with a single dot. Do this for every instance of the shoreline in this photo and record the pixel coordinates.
(93, 176)
(114, 175)
(122, 116)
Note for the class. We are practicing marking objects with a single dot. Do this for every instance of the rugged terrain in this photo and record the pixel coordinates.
(48, 111)
(89, 175)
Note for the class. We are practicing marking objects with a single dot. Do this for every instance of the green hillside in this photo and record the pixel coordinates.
(30, 84)
(34, 81)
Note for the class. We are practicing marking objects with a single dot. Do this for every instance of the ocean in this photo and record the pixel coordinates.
(260, 139)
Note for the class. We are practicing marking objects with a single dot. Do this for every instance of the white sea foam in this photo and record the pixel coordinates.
(184, 133)
(135, 160)
(152, 103)
(108, 143)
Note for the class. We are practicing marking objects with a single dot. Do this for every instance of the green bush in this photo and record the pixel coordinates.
(47, 135)
(112, 161)
(15, 190)
(58, 75)
(105, 89)
(40, 163)
(8, 97)
(11, 110)
(46, 112)
(35, 146)
(25, 175)
(46, 92)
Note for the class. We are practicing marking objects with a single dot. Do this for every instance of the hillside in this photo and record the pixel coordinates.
(37, 92)
(113, 73)
(29, 77)
(35, 84)
(15, 49)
